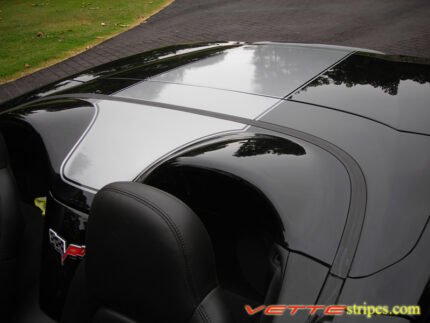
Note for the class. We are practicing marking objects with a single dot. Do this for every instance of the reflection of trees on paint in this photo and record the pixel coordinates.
(253, 146)
(268, 145)
(271, 67)
(274, 64)
(377, 71)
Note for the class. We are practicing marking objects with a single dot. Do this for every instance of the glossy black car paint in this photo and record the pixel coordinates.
(392, 90)
(318, 120)
(285, 170)
(112, 68)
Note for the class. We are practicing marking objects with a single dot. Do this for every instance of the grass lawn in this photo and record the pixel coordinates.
(38, 33)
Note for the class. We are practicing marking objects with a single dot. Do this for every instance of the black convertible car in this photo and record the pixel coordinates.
(220, 182)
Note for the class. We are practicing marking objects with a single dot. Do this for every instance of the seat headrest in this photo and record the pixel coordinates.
(148, 255)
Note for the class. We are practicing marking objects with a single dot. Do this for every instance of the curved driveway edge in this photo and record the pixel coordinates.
(392, 26)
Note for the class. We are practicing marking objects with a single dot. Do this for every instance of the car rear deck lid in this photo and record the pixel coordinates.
(202, 98)
(394, 90)
(126, 138)
(269, 70)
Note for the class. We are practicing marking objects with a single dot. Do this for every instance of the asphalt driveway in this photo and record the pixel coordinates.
(392, 26)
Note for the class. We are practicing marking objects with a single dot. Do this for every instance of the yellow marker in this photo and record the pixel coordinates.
(40, 202)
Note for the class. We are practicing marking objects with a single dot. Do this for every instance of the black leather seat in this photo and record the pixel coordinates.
(11, 226)
(149, 259)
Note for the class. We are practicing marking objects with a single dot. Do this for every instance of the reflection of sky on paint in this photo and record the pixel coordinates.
(268, 70)
(127, 138)
(85, 77)
(126, 64)
(234, 67)
(220, 101)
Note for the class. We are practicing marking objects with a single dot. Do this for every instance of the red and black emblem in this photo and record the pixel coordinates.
(61, 247)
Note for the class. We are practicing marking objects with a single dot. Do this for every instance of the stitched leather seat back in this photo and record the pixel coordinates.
(149, 259)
